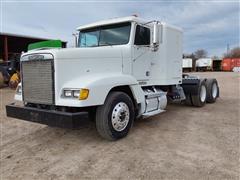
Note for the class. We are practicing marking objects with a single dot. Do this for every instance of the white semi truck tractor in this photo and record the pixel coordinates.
(122, 69)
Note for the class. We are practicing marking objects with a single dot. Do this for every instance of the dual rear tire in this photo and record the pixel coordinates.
(212, 90)
(207, 91)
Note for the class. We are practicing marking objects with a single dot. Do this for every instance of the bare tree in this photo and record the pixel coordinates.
(234, 53)
(215, 57)
(192, 56)
(200, 53)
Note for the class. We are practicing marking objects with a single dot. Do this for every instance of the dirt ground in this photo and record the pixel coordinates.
(183, 143)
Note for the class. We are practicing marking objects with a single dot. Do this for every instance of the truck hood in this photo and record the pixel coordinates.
(81, 53)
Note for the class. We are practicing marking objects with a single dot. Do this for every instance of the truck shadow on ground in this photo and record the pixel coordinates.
(87, 128)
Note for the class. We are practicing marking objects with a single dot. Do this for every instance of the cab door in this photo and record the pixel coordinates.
(142, 53)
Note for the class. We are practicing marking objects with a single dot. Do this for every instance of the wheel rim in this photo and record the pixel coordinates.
(214, 90)
(120, 116)
(203, 93)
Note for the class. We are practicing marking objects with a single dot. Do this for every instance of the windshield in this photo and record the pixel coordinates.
(115, 34)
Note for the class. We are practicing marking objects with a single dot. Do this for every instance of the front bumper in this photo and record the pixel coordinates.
(48, 117)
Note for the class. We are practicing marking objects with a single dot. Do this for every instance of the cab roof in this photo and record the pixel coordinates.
(112, 21)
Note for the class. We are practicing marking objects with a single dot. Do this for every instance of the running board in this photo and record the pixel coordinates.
(152, 113)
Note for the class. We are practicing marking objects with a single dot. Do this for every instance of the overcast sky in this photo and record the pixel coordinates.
(210, 25)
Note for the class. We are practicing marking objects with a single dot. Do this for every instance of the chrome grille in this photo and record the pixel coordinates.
(37, 80)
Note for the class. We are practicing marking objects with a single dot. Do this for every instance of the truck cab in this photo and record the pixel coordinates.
(122, 69)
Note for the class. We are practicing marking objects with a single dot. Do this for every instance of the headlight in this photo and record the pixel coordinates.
(76, 93)
(67, 93)
(81, 94)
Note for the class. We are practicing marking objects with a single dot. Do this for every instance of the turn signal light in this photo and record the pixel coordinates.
(83, 94)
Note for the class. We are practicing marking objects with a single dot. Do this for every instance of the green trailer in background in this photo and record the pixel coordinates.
(46, 44)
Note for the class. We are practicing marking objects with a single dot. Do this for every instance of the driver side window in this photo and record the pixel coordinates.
(142, 36)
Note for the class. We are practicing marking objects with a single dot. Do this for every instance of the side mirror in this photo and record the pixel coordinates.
(155, 39)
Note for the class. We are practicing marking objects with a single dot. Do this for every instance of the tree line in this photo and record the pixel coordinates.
(202, 53)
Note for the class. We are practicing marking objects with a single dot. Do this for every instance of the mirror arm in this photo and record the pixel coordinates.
(75, 35)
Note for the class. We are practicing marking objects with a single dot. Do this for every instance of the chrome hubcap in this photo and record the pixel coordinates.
(120, 116)
(203, 93)
(214, 90)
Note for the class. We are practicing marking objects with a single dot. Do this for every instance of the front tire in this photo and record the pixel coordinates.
(115, 118)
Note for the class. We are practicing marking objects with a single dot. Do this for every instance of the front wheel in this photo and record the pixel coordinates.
(115, 118)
